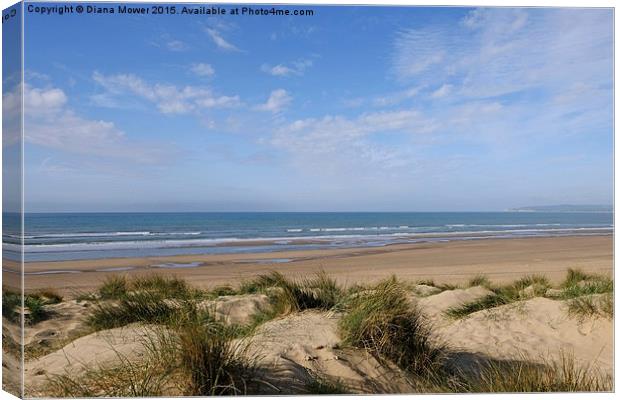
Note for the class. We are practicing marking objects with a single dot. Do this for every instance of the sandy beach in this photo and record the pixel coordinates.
(502, 260)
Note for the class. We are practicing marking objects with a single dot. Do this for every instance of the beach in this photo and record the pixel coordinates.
(502, 260)
(483, 304)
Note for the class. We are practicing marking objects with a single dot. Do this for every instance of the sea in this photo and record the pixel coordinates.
(77, 236)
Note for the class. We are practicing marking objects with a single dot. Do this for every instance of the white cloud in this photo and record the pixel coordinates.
(203, 69)
(499, 51)
(278, 100)
(310, 139)
(443, 91)
(168, 42)
(168, 98)
(219, 40)
(295, 68)
(50, 123)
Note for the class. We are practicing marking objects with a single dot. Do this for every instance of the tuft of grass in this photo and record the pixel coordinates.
(522, 289)
(320, 292)
(169, 287)
(124, 379)
(10, 302)
(34, 305)
(150, 375)
(427, 282)
(113, 287)
(261, 282)
(321, 385)
(578, 283)
(563, 375)
(592, 306)
(225, 290)
(146, 307)
(574, 276)
(384, 323)
(479, 280)
(210, 355)
(49, 296)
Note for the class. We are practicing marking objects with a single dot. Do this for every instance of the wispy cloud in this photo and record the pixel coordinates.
(295, 68)
(202, 69)
(166, 41)
(169, 99)
(278, 100)
(218, 39)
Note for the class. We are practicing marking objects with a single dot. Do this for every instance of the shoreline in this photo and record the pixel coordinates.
(449, 262)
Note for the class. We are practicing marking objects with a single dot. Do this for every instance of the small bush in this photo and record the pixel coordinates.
(383, 322)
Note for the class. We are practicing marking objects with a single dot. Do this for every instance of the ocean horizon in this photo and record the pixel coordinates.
(75, 236)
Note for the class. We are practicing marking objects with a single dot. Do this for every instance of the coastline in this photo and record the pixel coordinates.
(501, 260)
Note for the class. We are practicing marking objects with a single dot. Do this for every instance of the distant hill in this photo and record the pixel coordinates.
(566, 208)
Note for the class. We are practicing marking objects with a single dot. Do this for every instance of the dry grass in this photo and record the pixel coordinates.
(563, 375)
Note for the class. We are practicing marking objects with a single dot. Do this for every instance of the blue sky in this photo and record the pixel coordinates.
(376, 109)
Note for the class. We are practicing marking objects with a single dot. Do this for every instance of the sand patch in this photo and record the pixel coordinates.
(238, 309)
(97, 349)
(533, 328)
(293, 349)
(434, 306)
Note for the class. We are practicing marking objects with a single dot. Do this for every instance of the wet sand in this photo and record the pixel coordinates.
(501, 260)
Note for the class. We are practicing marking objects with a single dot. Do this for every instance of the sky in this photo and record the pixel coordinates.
(351, 109)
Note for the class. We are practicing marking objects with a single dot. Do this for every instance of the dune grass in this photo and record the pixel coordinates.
(290, 295)
(479, 280)
(592, 306)
(34, 304)
(522, 289)
(126, 378)
(211, 356)
(145, 307)
(319, 385)
(384, 323)
(560, 375)
(146, 299)
(578, 283)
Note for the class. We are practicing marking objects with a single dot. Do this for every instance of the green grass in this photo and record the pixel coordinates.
(145, 307)
(113, 287)
(261, 283)
(34, 304)
(384, 323)
(578, 283)
(10, 302)
(522, 289)
(592, 306)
